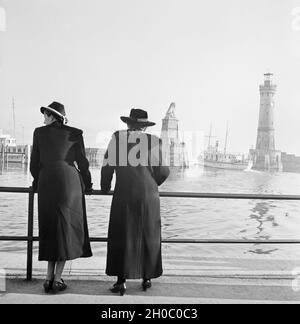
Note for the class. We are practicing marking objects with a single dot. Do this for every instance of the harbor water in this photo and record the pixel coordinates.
(186, 218)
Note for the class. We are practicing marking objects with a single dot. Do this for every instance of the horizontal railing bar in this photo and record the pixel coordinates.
(223, 241)
(206, 241)
(15, 189)
(181, 194)
(17, 238)
(215, 241)
(228, 196)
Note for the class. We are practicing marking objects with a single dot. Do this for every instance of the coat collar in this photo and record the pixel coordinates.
(56, 124)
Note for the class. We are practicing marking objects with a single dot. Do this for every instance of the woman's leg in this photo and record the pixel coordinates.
(146, 283)
(59, 270)
(50, 276)
(50, 270)
(121, 280)
(58, 284)
(119, 286)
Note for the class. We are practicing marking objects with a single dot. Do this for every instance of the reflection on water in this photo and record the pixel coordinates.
(186, 217)
(261, 216)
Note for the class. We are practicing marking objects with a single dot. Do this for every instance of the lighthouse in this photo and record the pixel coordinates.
(265, 156)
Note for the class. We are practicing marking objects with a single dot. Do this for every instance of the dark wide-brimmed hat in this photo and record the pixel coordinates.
(138, 117)
(56, 108)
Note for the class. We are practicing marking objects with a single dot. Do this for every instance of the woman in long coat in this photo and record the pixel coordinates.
(63, 231)
(134, 234)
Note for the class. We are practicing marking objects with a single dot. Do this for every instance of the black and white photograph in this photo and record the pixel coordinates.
(149, 154)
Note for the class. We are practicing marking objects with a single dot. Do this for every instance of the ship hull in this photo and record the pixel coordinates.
(225, 165)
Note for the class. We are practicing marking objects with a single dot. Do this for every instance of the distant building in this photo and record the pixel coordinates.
(18, 154)
(265, 157)
(10, 152)
(7, 140)
(95, 156)
(174, 149)
(290, 162)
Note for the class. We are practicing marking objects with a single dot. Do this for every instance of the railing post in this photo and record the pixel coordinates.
(30, 235)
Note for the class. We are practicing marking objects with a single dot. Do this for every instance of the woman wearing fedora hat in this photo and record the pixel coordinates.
(134, 234)
(63, 231)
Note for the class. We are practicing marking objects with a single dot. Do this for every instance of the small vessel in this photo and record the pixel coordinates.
(214, 158)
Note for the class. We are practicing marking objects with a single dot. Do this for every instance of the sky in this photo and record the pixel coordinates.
(101, 58)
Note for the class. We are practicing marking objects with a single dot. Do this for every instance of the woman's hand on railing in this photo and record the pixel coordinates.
(89, 191)
(105, 190)
(34, 186)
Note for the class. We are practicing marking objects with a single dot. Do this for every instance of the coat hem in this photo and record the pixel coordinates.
(138, 276)
(65, 259)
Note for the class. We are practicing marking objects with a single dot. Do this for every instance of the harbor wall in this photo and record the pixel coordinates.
(290, 162)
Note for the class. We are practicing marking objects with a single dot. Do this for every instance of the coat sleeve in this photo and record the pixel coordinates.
(108, 167)
(83, 163)
(35, 160)
(160, 171)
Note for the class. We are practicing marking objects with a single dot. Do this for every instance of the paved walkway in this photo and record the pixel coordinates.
(166, 290)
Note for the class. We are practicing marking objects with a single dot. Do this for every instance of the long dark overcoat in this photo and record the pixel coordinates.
(134, 234)
(63, 230)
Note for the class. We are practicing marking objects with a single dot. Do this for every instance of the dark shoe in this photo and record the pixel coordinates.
(146, 284)
(59, 286)
(119, 287)
(48, 285)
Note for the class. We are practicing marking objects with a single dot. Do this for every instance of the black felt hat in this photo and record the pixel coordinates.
(56, 108)
(138, 117)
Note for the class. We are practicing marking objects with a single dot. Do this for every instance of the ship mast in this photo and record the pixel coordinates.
(226, 138)
(14, 117)
(209, 137)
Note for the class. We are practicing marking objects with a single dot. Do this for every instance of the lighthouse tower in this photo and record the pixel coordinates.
(265, 157)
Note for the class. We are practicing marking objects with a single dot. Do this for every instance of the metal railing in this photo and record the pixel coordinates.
(30, 238)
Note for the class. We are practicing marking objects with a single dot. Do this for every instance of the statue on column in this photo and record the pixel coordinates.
(171, 111)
